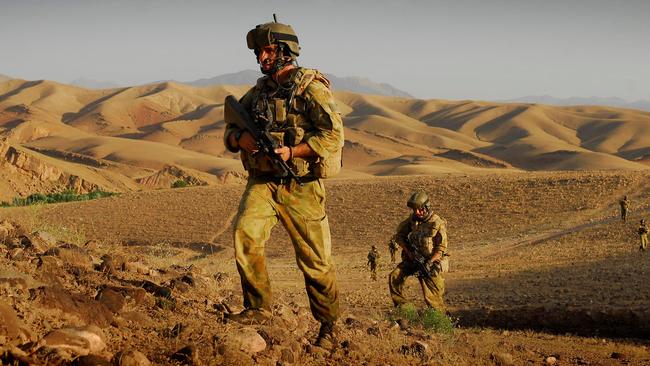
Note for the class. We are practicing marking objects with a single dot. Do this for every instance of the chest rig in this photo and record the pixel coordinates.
(282, 110)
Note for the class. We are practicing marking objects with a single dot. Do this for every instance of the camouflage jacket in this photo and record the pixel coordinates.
(373, 256)
(392, 245)
(303, 110)
(428, 237)
(643, 230)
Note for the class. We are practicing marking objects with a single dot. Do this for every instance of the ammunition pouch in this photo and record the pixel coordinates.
(328, 167)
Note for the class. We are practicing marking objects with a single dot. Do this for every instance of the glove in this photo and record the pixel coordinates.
(434, 267)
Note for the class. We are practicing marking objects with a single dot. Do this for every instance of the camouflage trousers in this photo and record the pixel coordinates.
(392, 255)
(373, 271)
(433, 288)
(644, 242)
(301, 210)
(624, 214)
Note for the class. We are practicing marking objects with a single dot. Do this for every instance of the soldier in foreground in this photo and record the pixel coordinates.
(643, 235)
(373, 259)
(624, 207)
(423, 238)
(293, 107)
(392, 248)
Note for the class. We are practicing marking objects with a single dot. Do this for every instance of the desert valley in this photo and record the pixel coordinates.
(543, 271)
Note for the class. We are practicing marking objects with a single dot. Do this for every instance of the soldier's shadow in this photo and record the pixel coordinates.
(605, 298)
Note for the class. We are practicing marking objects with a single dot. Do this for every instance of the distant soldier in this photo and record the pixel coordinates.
(624, 207)
(423, 238)
(373, 259)
(643, 235)
(392, 247)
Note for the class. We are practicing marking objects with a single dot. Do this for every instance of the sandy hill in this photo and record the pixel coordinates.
(4, 78)
(131, 133)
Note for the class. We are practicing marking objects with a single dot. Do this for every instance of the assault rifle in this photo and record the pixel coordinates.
(235, 113)
(420, 261)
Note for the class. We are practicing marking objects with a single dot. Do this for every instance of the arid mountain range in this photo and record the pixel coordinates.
(56, 136)
(643, 105)
(349, 83)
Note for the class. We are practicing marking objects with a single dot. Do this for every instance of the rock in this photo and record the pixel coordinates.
(274, 334)
(502, 359)
(112, 299)
(137, 317)
(349, 345)
(42, 240)
(72, 255)
(287, 355)
(7, 230)
(374, 330)
(111, 264)
(16, 356)
(246, 340)
(550, 360)
(419, 348)
(187, 355)
(49, 263)
(352, 322)
(181, 287)
(12, 328)
(188, 279)
(130, 357)
(157, 290)
(87, 309)
(175, 331)
(403, 324)
(285, 317)
(91, 360)
(136, 267)
(18, 280)
(618, 356)
(16, 254)
(234, 357)
(78, 341)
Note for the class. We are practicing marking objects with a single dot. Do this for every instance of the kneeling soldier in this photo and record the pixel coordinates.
(423, 238)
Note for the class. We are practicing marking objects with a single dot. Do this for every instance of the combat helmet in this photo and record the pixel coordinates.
(274, 33)
(418, 200)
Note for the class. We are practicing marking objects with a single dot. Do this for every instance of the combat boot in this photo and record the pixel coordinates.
(250, 316)
(326, 338)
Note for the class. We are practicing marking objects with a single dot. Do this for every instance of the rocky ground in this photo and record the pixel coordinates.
(542, 273)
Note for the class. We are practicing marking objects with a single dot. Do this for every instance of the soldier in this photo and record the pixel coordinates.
(643, 235)
(373, 259)
(423, 238)
(296, 106)
(624, 207)
(392, 247)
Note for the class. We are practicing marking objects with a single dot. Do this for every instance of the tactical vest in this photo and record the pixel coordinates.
(283, 112)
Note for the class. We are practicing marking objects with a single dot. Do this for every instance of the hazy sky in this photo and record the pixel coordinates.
(432, 49)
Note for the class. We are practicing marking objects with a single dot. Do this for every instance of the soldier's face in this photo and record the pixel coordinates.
(267, 57)
(420, 213)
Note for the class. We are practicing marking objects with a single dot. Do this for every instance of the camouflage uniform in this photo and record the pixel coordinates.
(373, 258)
(392, 247)
(428, 236)
(312, 118)
(643, 235)
(624, 208)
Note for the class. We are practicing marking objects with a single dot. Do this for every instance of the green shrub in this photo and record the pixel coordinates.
(436, 321)
(429, 319)
(179, 184)
(65, 196)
